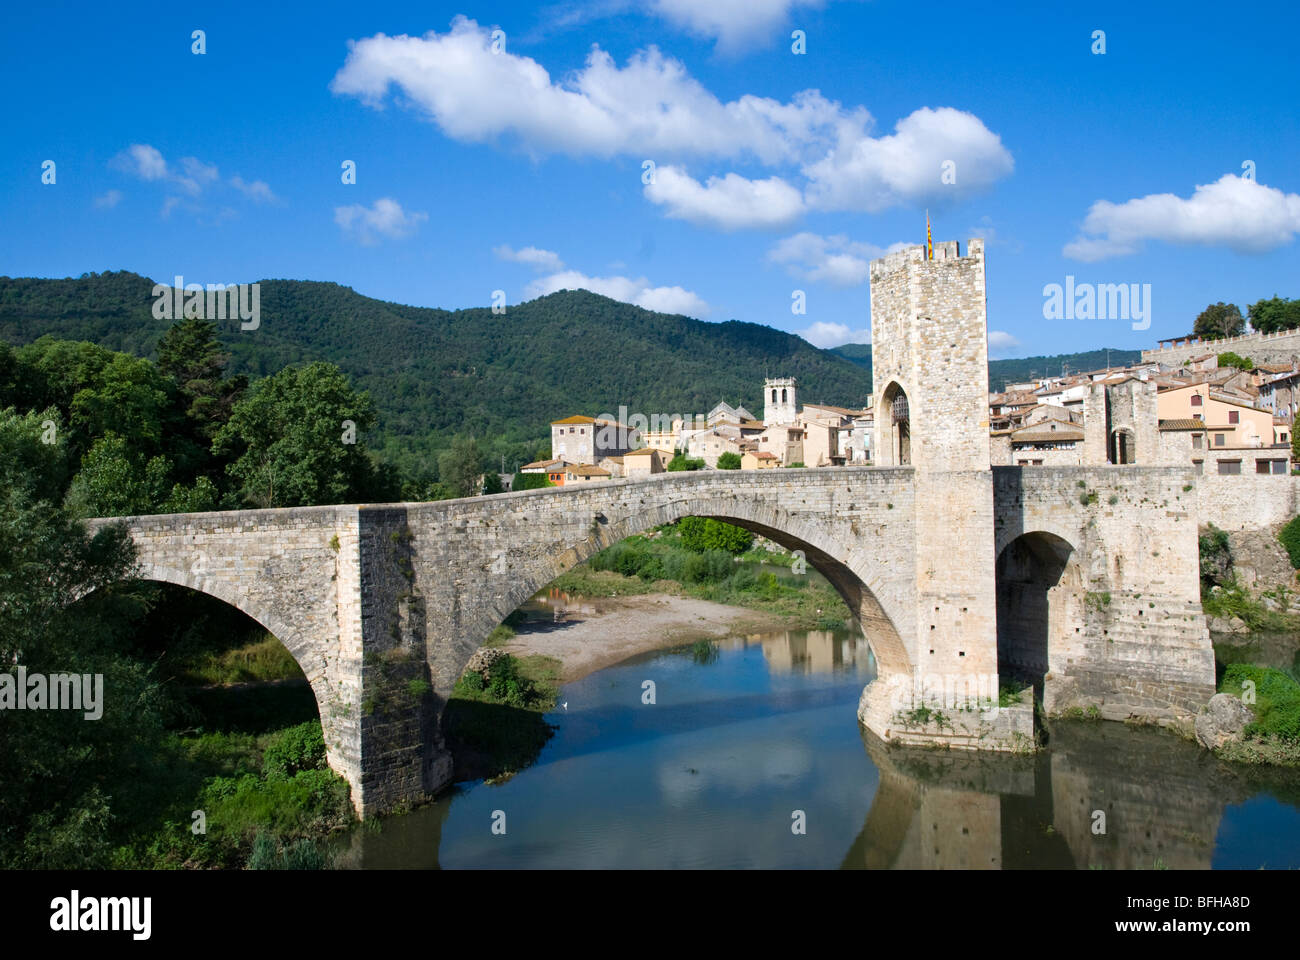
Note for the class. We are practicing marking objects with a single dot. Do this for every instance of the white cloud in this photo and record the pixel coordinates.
(192, 177)
(385, 218)
(258, 190)
(908, 166)
(836, 259)
(635, 291)
(532, 256)
(109, 200)
(141, 160)
(1233, 212)
(651, 108)
(735, 24)
(823, 334)
(728, 203)
(1000, 341)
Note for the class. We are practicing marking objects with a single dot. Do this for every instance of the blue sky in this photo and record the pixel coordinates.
(522, 170)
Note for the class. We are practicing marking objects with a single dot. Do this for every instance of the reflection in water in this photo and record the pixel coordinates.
(711, 773)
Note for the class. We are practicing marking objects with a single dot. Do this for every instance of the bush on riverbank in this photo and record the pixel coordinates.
(1277, 700)
(494, 727)
(665, 563)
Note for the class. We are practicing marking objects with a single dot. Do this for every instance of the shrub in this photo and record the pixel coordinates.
(530, 481)
(728, 461)
(1216, 557)
(1290, 537)
(1277, 699)
(297, 748)
(700, 534)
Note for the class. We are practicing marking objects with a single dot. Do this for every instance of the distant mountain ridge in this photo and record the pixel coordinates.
(1002, 372)
(433, 373)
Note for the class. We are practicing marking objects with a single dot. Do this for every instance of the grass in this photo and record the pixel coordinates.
(1234, 600)
(495, 728)
(640, 565)
(259, 661)
(273, 784)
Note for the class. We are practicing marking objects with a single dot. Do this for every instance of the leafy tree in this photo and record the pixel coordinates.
(115, 481)
(1219, 320)
(53, 811)
(530, 481)
(189, 353)
(461, 467)
(1274, 314)
(728, 461)
(681, 462)
(1230, 359)
(492, 483)
(295, 439)
(701, 534)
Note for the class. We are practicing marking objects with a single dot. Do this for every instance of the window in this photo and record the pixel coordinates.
(1229, 467)
(582, 431)
(1218, 440)
(1196, 416)
(571, 429)
(1279, 466)
(1234, 416)
(1281, 437)
(1199, 465)
(1262, 466)
(774, 396)
(1196, 400)
(1196, 441)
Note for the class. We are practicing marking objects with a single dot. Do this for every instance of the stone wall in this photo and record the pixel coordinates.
(1130, 638)
(1283, 347)
(1247, 502)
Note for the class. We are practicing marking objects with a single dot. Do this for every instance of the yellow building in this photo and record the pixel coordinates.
(1229, 421)
(762, 460)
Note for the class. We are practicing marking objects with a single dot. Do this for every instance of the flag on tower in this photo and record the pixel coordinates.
(929, 241)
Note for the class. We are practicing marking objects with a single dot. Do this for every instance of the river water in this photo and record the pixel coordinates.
(749, 739)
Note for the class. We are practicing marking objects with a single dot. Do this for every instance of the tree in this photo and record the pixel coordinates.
(1274, 314)
(189, 353)
(461, 467)
(700, 535)
(492, 483)
(1295, 440)
(1219, 320)
(116, 481)
(681, 462)
(53, 812)
(1230, 359)
(295, 439)
(728, 461)
(530, 481)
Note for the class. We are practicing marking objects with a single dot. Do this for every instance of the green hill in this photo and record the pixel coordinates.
(1002, 372)
(433, 373)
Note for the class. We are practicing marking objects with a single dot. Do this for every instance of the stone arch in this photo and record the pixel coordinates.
(1041, 606)
(308, 655)
(894, 413)
(860, 590)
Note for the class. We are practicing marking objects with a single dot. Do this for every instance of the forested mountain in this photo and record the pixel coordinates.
(1002, 372)
(433, 373)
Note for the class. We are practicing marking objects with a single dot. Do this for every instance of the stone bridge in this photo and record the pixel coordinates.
(1082, 581)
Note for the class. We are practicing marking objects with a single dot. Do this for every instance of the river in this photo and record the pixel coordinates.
(750, 738)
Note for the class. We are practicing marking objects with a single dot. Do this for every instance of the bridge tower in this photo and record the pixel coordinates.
(929, 344)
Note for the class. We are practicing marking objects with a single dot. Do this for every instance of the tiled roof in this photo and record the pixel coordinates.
(587, 470)
(1186, 423)
(539, 464)
(575, 419)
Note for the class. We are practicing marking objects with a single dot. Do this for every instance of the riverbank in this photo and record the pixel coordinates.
(588, 637)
